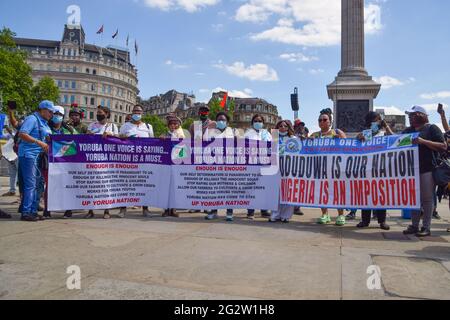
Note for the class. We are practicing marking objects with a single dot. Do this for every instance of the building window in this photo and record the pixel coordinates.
(94, 72)
(103, 102)
(72, 99)
(120, 119)
(74, 69)
(66, 84)
(92, 101)
(86, 100)
(108, 103)
(87, 70)
(91, 115)
(61, 68)
(60, 83)
(115, 118)
(74, 85)
(66, 99)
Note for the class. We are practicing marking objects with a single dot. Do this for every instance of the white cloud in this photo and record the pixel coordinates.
(187, 5)
(254, 72)
(316, 71)
(436, 95)
(246, 93)
(297, 57)
(176, 66)
(319, 22)
(391, 110)
(388, 82)
(432, 107)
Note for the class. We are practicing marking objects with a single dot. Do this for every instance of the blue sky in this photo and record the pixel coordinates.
(261, 48)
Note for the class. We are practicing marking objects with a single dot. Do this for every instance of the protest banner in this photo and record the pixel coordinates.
(224, 174)
(382, 173)
(91, 172)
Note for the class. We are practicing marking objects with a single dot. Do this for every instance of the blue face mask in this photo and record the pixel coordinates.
(57, 119)
(221, 125)
(375, 127)
(258, 126)
(136, 117)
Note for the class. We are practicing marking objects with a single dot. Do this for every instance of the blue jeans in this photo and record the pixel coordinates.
(13, 168)
(31, 178)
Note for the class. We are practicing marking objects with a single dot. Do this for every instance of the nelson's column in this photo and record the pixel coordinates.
(353, 90)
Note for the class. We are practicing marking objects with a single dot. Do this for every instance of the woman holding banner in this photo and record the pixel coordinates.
(257, 132)
(174, 132)
(136, 128)
(286, 132)
(107, 129)
(327, 132)
(222, 131)
(376, 127)
(431, 141)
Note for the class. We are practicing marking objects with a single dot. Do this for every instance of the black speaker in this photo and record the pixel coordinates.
(294, 101)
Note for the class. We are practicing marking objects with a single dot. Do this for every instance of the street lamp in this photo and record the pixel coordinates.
(294, 103)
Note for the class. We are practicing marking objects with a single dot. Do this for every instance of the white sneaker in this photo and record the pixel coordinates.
(211, 216)
(122, 213)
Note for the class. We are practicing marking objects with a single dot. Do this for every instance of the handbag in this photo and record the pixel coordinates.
(441, 172)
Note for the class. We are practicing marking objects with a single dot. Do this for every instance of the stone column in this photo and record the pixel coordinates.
(353, 90)
(352, 50)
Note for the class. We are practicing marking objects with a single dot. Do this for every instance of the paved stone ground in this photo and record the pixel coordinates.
(190, 258)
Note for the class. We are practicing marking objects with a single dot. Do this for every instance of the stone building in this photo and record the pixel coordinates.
(85, 74)
(170, 102)
(246, 108)
(395, 118)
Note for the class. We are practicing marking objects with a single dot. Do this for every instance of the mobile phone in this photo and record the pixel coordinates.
(12, 105)
(440, 108)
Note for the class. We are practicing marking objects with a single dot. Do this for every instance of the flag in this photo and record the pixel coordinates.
(115, 34)
(135, 47)
(223, 104)
(64, 149)
(128, 38)
(100, 31)
(2, 123)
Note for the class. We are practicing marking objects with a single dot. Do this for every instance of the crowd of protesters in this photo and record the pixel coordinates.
(30, 136)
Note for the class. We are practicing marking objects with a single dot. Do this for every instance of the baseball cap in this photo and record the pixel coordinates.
(47, 105)
(59, 109)
(418, 109)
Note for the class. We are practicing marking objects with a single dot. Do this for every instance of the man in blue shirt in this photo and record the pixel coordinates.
(33, 134)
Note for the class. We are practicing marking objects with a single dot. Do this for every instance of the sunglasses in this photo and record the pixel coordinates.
(323, 120)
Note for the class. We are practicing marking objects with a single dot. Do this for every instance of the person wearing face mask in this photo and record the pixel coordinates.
(136, 128)
(76, 116)
(327, 132)
(207, 124)
(33, 144)
(58, 127)
(105, 128)
(379, 128)
(431, 141)
(174, 132)
(257, 132)
(286, 132)
(222, 131)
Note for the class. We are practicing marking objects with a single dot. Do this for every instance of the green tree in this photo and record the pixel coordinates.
(159, 126)
(187, 123)
(215, 108)
(15, 74)
(45, 89)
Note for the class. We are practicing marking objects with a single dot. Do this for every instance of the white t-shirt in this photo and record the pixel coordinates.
(98, 128)
(261, 135)
(228, 133)
(142, 130)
